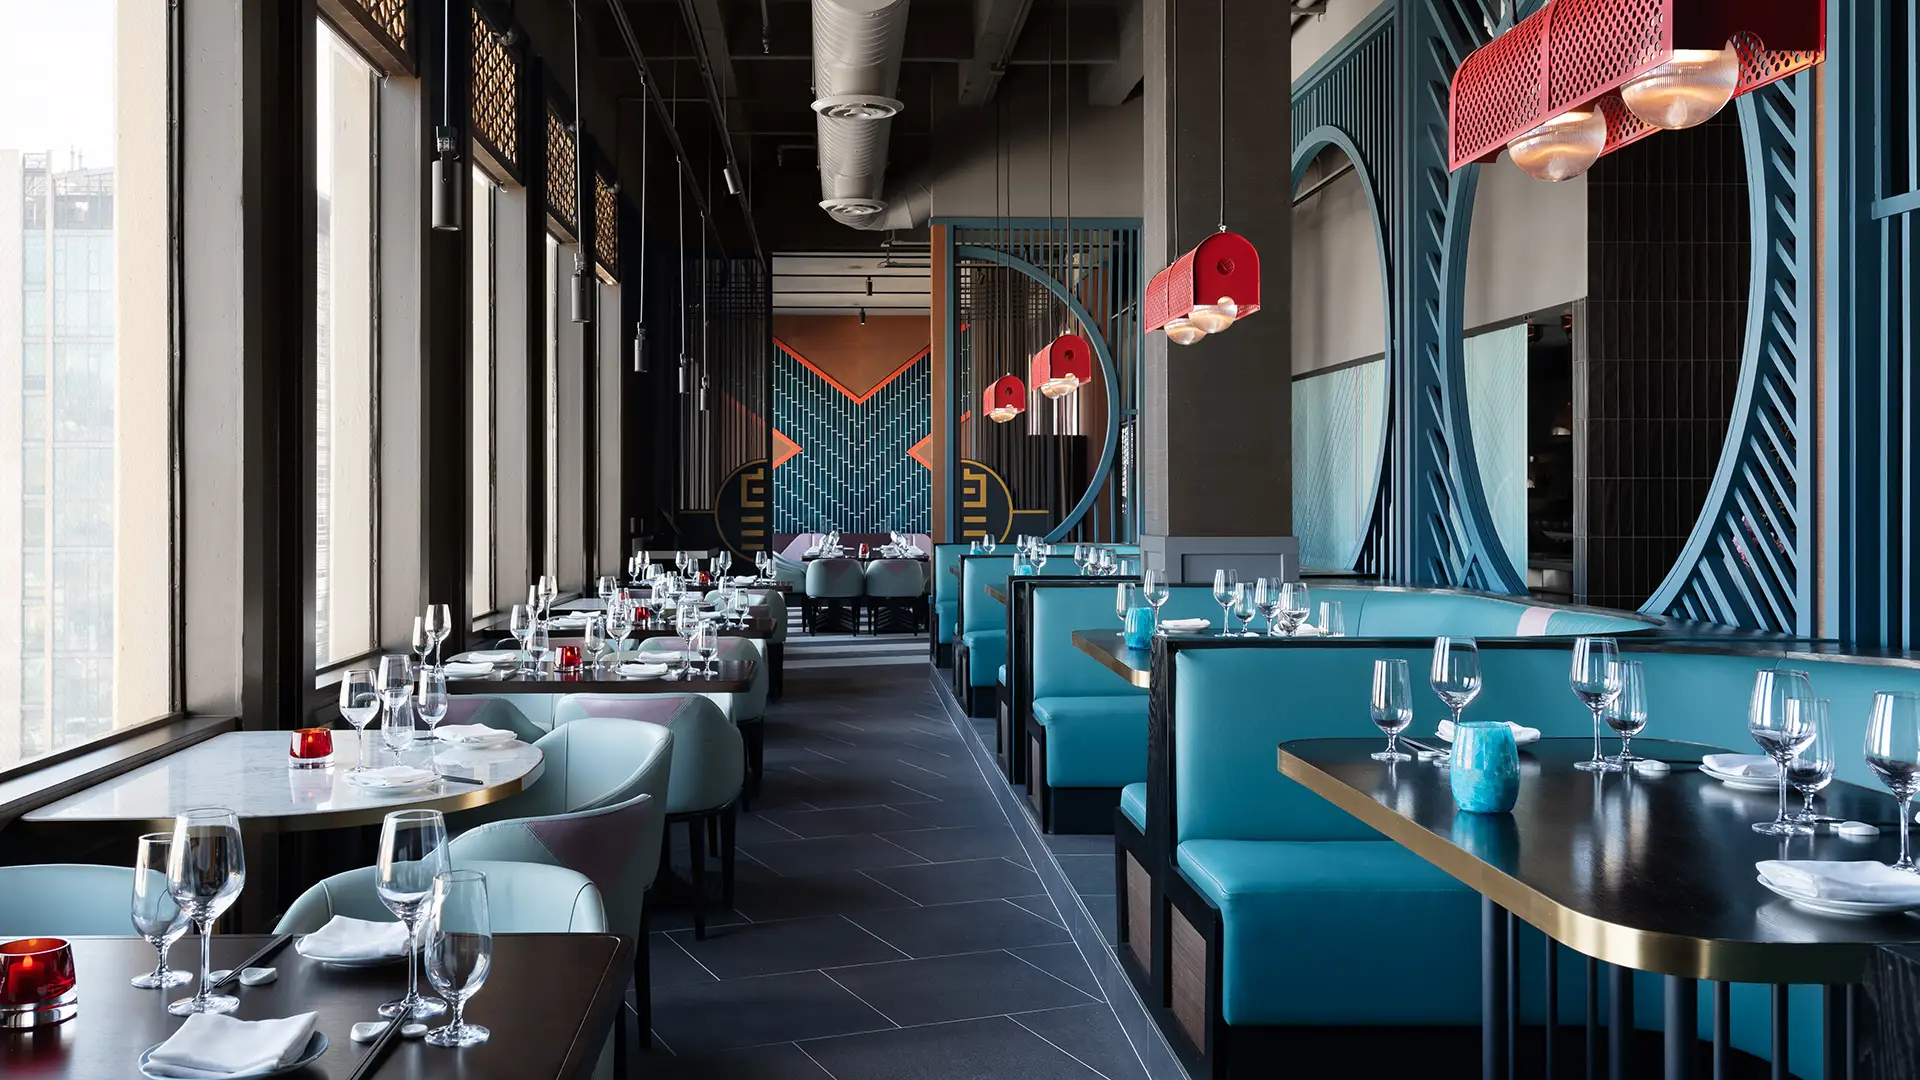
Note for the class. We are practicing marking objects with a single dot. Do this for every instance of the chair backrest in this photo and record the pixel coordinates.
(491, 712)
(1056, 610)
(587, 764)
(895, 577)
(522, 898)
(1399, 612)
(978, 611)
(946, 583)
(603, 844)
(751, 705)
(709, 757)
(65, 900)
(835, 578)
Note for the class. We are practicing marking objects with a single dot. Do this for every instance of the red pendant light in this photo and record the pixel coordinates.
(1065, 365)
(1206, 290)
(1006, 398)
(1579, 79)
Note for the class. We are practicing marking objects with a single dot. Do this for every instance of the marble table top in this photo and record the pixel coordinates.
(247, 771)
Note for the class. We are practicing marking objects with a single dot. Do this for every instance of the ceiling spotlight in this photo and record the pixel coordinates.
(732, 178)
(863, 316)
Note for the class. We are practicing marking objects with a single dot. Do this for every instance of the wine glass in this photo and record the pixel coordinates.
(1266, 599)
(539, 645)
(206, 869)
(1455, 678)
(594, 641)
(1294, 605)
(1780, 719)
(1041, 553)
(620, 625)
(761, 562)
(440, 626)
(549, 592)
(606, 587)
(156, 916)
(680, 560)
(1391, 705)
(1153, 585)
(723, 562)
(422, 639)
(1243, 608)
(1595, 679)
(413, 851)
(742, 607)
(359, 704)
(1626, 714)
(1080, 558)
(1893, 753)
(431, 704)
(706, 642)
(987, 543)
(459, 950)
(396, 686)
(520, 624)
(1120, 602)
(1223, 582)
(1812, 769)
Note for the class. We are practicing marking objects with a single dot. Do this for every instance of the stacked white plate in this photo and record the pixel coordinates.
(1740, 780)
(1878, 878)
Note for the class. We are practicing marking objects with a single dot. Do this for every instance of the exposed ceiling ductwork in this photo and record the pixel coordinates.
(857, 47)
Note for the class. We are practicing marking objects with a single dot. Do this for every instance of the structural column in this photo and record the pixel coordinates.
(1215, 436)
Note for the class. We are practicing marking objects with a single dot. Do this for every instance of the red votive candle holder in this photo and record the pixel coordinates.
(569, 658)
(37, 984)
(863, 551)
(312, 748)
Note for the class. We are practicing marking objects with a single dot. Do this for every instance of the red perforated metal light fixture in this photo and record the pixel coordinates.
(1065, 365)
(1006, 398)
(1574, 56)
(1222, 272)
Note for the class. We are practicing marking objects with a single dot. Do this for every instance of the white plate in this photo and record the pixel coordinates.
(353, 962)
(1851, 908)
(316, 1045)
(500, 656)
(391, 789)
(643, 671)
(1744, 783)
(490, 742)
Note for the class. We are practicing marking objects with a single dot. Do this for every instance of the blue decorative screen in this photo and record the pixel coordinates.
(854, 463)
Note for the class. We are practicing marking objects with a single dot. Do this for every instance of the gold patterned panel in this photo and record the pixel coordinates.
(391, 16)
(606, 227)
(496, 99)
(562, 189)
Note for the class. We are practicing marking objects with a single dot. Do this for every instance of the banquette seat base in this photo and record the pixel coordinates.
(1081, 752)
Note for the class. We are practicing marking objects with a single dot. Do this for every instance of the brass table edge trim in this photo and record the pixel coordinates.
(1141, 679)
(1623, 946)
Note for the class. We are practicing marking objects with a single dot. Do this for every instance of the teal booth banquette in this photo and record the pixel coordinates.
(943, 602)
(980, 635)
(1253, 905)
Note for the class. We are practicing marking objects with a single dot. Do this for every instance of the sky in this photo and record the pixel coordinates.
(56, 78)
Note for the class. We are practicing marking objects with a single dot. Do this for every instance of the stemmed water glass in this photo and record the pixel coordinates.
(723, 562)
(1243, 607)
(1223, 582)
(1812, 769)
(1121, 601)
(206, 869)
(619, 625)
(1040, 554)
(987, 543)
(1893, 753)
(1081, 559)
(1294, 605)
(431, 704)
(539, 645)
(520, 624)
(549, 592)
(606, 587)
(396, 686)
(706, 642)
(1780, 719)
(439, 626)
(359, 704)
(1595, 679)
(1391, 705)
(1266, 599)
(422, 640)
(1153, 586)
(762, 561)
(1455, 678)
(413, 851)
(594, 641)
(1626, 714)
(742, 607)
(459, 950)
(156, 916)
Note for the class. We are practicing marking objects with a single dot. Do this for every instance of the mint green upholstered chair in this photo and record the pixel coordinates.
(65, 900)
(522, 898)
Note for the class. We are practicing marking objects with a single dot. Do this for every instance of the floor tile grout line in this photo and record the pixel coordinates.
(887, 887)
(1062, 1049)
(690, 956)
(816, 1061)
(898, 1026)
(1102, 999)
(1010, 900)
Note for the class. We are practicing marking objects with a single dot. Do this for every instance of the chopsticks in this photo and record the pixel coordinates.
(264, 952)
(381, 1047)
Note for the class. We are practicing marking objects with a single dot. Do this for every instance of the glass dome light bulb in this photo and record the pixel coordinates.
(1060, 386)
(1686, 90)
(1215, 317)
(1562, 148)
(1003, 413)
(1182, 331)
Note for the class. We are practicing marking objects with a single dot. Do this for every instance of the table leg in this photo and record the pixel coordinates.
(1683, 1026)
(1553, 999)
(1513, 996)
(1593, 1019)
(1722, 1030)
(1780, 1032)
(1494, 991)
(1620, 1027)
(1836, 1036)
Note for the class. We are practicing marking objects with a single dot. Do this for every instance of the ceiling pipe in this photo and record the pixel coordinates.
(857, 49)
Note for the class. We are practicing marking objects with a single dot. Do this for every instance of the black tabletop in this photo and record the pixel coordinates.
(549, 1001)
(1655, 874)
(730, 677)
(1110, 648)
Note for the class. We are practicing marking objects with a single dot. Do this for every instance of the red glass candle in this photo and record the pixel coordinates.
(312, 748)
(570, 658)
(863, 551)
(37, 983)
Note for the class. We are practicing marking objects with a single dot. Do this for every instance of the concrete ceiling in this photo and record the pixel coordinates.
(840, 283)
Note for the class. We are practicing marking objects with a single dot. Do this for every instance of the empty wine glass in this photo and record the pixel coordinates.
(706, 642)
(1780, 719)
(520, 624)
(539, 647)
(431, 704)
(606, 587)
(1266, 600)
(1153, 585)
(396, 687)
(723, 562)
(1893, 753)
(1595, 679)
(206, 869)
(156, 916)
(459, 950)
(987, 543)
(413, 851)
(1294, 605)
(359, 704)
(1081, 558)
(1626, 714)
(1455, 678)
(1120, 602)
(1243, 608)
(594, 640)
(1812, 769)
(742, 607)
(1223, 582)
(439, 624)
(620, 625)
(1391, 705)
(422, 639)
(549, 592)
(1041, 553)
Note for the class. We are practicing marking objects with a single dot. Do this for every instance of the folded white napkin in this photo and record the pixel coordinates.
(1185, 624)
(468, 669)
(473, 735)
(1308, 630)
(1860, 882)
(353, 939)
(496, 656)
(642, 671)
(1758, 766)
(578, 618)
(390, 776)
(210, 1046)
(1521, 735)
(744, 579)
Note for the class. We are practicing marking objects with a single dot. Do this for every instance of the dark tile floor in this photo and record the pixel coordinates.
(887, 921)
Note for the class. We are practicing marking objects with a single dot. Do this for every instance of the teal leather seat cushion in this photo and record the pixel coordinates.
(944, 614)
(1094, 740)
(986, 652)
(1133, 803)
(1349, 932)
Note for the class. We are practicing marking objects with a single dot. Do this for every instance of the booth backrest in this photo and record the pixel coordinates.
(978, 611)
(1394, 612)
(946, 585)
(1060, 669)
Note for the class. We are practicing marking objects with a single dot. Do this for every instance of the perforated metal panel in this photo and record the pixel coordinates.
(392, 17)
(496, 97)
(606, 227)
(562, 192)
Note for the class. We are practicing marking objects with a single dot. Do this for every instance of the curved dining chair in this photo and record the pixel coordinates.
(586, 765)
(833, 584)
(895, 585)
(708, 775)
(65, 900)
(492, 712)
(522, 898)
(746, 709)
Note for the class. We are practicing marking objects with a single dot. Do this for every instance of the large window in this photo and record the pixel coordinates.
(344, 490)
(550, 397)
(480, 460)
(86, 632)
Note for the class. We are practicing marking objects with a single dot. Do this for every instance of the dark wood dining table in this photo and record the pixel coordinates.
(550, 1002)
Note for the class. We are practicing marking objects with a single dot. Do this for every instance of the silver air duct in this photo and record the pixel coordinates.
(857, 45)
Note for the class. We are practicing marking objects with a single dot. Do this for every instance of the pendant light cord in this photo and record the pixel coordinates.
(580, 204)
(645, 130)
(446, 67)
(1222, 117)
